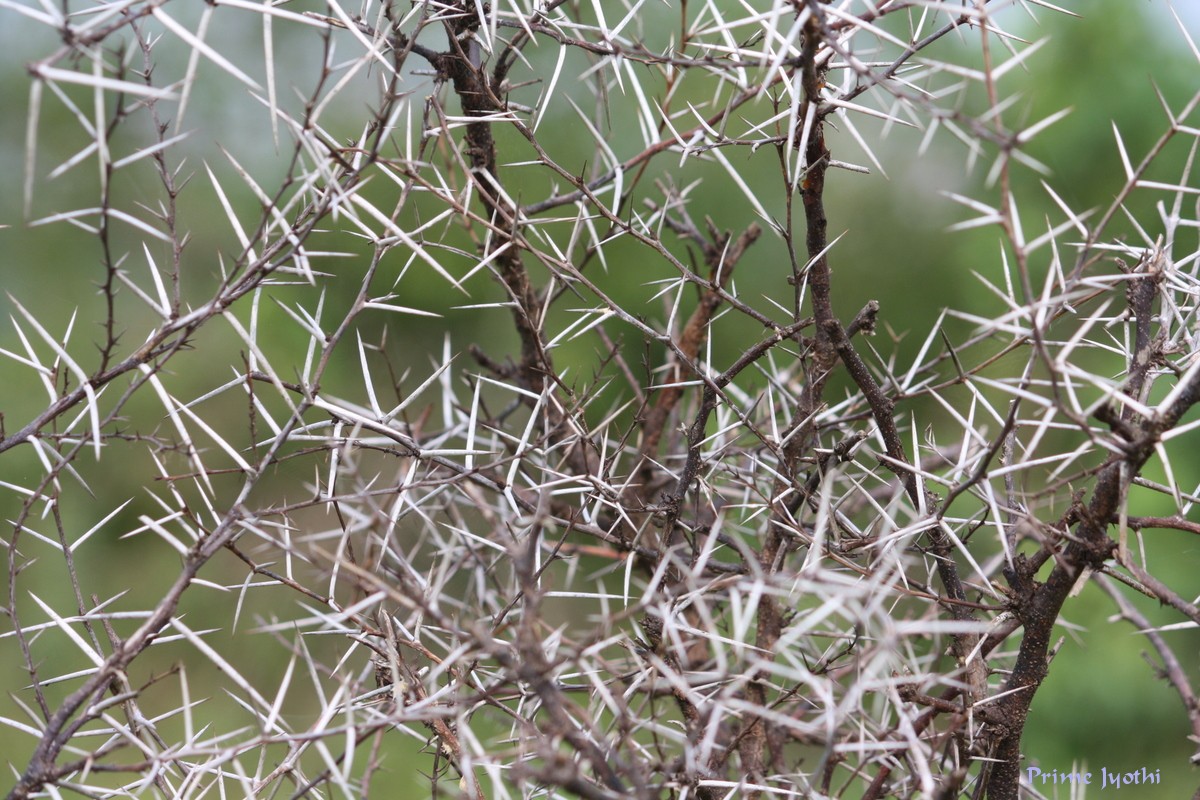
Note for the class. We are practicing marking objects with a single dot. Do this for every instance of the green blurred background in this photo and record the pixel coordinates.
(1102, 704)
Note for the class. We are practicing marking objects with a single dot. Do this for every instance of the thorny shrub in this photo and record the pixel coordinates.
(632, 532)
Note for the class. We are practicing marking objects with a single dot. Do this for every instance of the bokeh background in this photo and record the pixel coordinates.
(1102, 704)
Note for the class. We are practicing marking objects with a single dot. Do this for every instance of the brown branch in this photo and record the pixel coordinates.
(478, 99)
(1140, 296)
(722, 257)
(1173, 522)
(1040, 606)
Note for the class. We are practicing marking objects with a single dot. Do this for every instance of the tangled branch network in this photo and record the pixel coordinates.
(464, 393)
